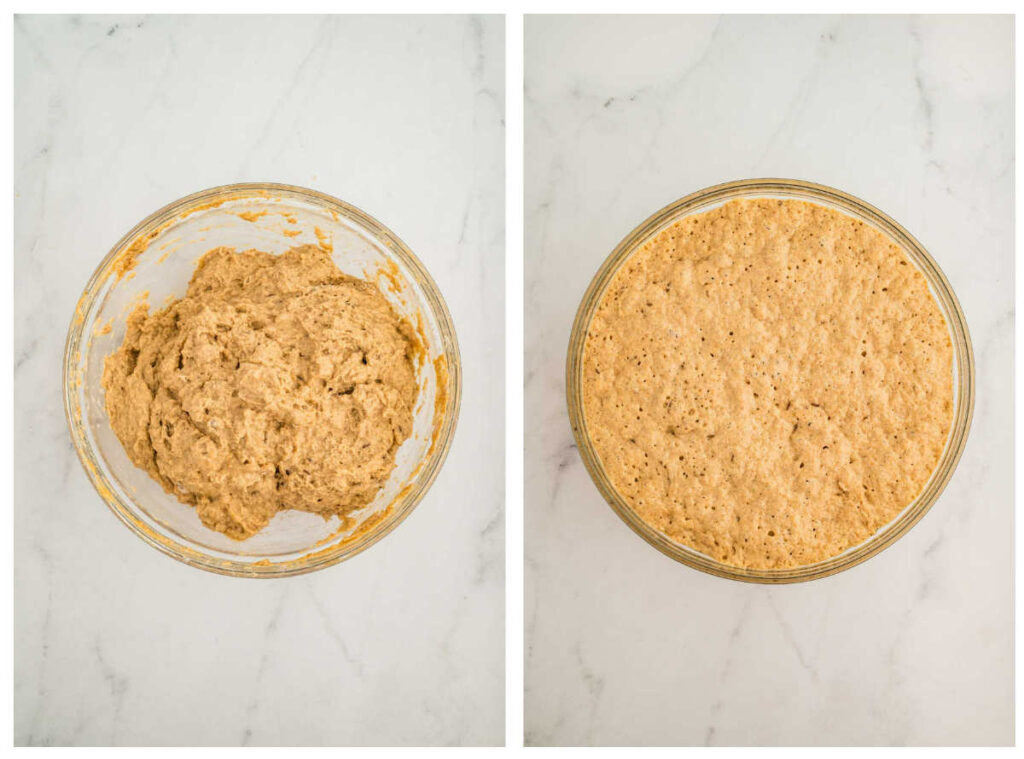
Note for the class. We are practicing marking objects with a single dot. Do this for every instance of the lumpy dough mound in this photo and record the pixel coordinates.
(277, 382)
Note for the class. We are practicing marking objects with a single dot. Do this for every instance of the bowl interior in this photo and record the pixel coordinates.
(962, 374)
(154, 265)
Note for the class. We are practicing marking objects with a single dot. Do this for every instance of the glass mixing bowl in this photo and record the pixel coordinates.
(154, 262)
(963, 373)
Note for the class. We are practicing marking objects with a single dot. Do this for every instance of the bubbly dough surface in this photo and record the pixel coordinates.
(277, 382)
(769, 382)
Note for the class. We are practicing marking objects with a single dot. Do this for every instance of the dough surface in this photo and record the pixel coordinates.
(769, 382)
(277, 382)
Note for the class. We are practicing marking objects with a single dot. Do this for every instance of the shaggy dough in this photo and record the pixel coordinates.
(769, 382)
(277, 382)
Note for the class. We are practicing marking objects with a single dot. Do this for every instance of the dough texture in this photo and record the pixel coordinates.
(769, 382)
(277, 382)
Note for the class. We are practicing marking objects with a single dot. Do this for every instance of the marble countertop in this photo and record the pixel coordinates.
(115, 643)
(626, 114)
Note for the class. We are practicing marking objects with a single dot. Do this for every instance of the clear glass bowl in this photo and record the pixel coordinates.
(963, 373)
(154, 261)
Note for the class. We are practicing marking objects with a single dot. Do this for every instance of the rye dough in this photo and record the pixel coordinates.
(277, 382)
(769, 382)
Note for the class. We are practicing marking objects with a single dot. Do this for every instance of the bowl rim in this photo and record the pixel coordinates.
(942, 291)
(393, 514)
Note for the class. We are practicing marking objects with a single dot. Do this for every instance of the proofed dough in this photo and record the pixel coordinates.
(768, 382)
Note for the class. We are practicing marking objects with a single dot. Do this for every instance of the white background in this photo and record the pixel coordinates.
(626, 114)
(115, 643)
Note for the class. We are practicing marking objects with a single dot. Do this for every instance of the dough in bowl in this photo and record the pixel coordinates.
(276, 382)
(769, 382)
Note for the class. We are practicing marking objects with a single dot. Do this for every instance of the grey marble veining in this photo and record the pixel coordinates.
(115, 643)
(626, 114)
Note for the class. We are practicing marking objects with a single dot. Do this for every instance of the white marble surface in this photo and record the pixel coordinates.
(625, 646)
(116, 643)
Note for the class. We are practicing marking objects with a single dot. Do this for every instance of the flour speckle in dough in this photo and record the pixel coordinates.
(769, 382)
(277, 382)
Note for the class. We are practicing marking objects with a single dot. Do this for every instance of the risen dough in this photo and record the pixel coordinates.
(277, 382)
(769, 382)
